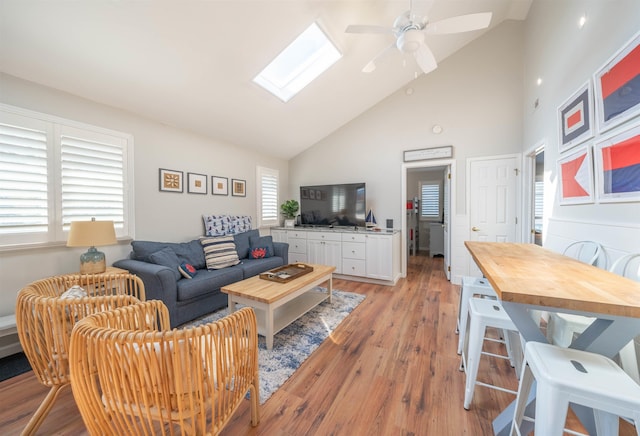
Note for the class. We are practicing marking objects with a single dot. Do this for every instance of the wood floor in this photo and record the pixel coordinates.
(390, 368)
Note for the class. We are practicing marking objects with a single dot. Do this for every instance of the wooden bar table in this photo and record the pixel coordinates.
(528, 277)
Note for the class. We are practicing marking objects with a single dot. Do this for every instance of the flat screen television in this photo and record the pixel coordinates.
(341, 205)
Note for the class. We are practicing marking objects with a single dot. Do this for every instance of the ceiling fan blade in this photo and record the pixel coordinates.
(461, 23)
(371, 66)
(365, 28)
(425, 59)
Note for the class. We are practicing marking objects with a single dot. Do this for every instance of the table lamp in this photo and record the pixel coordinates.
(89, 234)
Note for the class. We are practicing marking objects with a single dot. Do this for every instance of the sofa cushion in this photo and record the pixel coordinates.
(216, 225)
(187, 270)
(262, 241)
(253, 267)
(166, 257)
(219, 252)
(242, 241)
(207, 281)
(190, 252)
(239, 224)
(259, 253)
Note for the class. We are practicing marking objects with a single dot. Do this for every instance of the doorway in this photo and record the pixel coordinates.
(424, 212)
(534, 194)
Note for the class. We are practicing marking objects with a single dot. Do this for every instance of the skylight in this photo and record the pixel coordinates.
(299, 64)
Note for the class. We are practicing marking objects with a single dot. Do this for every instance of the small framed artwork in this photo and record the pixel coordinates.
(219, 185)
(576, 177)
(616, 87)
(238, 188)
(196, 183)
(171, 180)
(618, 167)
(575, 117)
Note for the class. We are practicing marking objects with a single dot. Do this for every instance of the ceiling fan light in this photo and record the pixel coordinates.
(410, 41)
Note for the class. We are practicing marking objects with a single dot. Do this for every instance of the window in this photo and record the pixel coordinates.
(430, 200)
(310, 55)
(267, 189)
(54, 171)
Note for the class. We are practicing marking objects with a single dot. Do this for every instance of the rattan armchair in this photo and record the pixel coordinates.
(45, 320)
(131, 375)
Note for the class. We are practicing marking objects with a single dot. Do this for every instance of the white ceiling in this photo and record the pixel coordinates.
(190, 64)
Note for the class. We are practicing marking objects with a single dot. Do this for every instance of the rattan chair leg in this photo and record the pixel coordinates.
(38, 418)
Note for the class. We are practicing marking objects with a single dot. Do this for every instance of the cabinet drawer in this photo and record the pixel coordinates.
(353, 237)
(353, 267)
(353, 250)
(324, 236)
(296, 234)
(297, 245)
(297, 257)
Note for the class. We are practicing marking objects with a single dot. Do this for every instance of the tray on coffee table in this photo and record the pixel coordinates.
(286, 273)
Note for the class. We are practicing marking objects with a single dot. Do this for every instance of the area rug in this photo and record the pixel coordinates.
(293, 344)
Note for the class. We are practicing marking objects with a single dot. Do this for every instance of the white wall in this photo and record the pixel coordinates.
(158, 215)
(475, 95)
(565, 57)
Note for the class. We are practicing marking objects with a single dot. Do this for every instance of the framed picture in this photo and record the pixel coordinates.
(170, 180)
(576, 177)
(219, 185)
(196, 183)
(238, 188)
(575, 118)
(616, 87)
(618, 167)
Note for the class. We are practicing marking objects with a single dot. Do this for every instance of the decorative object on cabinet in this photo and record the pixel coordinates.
(575, 118)
(370, 221)
(615, 82)
(219, 185)
(238, 188)
(618, 167)
(196, 183)
(170, 180)
(576, 177)
(290, 209)
(91, 234)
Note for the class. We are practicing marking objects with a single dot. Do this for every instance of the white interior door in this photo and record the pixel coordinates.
(493, 200)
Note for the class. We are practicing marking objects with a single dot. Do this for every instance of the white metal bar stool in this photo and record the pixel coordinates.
(564, 376)
(470, 286)
(483, 313)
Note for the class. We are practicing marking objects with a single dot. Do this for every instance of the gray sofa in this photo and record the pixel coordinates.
(188, 299)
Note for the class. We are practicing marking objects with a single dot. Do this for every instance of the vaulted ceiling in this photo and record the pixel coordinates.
(190, 64)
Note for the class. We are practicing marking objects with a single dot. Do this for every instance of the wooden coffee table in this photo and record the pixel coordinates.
(279, 304)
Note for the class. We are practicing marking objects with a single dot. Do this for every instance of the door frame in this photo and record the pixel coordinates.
(528, 177)
(451, 164)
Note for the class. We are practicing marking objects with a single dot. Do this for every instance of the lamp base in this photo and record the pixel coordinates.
(92, 262)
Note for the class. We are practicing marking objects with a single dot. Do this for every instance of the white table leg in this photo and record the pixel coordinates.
(269, 327)
(232, 305)
(330, 287)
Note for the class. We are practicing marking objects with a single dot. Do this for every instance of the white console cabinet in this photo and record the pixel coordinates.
(357, 255)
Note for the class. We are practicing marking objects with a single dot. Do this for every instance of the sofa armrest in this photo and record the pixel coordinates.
(159, 281)
(281, 249)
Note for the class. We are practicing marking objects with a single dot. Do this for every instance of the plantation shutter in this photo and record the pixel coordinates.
(92, 177)
(539, 199)
(24, 196)
(430, 200)
(268, 198)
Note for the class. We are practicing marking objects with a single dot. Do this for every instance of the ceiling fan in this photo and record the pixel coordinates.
(410, 29)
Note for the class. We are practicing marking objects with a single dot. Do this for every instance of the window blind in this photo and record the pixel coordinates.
(23, 176)
(430, 200)
(92, 179)
(268, 196)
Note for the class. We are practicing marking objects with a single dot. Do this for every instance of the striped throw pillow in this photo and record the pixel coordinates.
(219, 252)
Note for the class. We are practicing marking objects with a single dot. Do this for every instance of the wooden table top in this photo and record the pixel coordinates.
(530, 274)
(267, 291)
